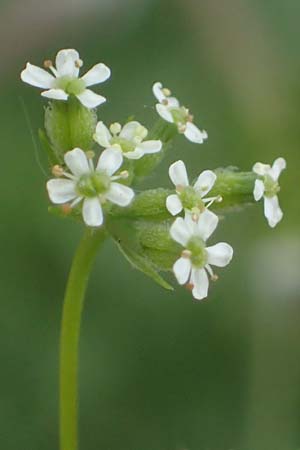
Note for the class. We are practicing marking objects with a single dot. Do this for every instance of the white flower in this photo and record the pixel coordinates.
(195, 260)
(129, 139)
(92, 185)
(170, 110)
(189, 198)
(267, 186)
(65, 79)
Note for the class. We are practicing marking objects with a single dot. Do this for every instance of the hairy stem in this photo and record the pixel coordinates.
(70, 331)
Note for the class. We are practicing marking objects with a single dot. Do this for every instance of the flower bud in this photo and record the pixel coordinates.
(68, 125)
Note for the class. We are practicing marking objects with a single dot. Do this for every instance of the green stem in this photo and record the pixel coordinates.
(70, 330)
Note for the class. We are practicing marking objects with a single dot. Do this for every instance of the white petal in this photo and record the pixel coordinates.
(66, 63)
(37, 77)
(178, 174)
(182, 269)
(173, 204)
(135, 154)
(261, 169)
(259, 189)
(157, 91)
(272, 210)
(56, 94)
(278, 166)
(97, 74)
(77, 162)
(89, 99)
(199, 279)
(149, 147)
(220, 254)
(92, 212)
(207, 224)
(193, 134)
(110, 160)
(180, 231)
(102, 135)
(164, 112)
(129, 130)
(61, 190)
(173, 102)
(119, 194)
(205, 182)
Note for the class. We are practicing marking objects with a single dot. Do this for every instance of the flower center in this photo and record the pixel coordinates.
(93, 184)
(180, 115)
(190, 199)
(70, 85)
(198, 252)
(125, 144)
(271, 187)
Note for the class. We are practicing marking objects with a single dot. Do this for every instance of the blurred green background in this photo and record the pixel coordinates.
(158, 371)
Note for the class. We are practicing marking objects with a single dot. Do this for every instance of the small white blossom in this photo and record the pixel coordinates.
(267, 186)
(129, 139)
(194, 264)
(170, 110)
(189, 198)
(65, 80)
(93, 186)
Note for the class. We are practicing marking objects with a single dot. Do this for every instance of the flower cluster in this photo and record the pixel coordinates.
(95, 191)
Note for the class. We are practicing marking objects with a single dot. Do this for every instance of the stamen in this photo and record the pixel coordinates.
(78, 63)
(186, 253)
(48, 64)
(195, 216)
(211, 200)
(57, 171)
(124, 174)
(190, 118)
(90, 155)
(165, 102)
(189, 286)
(115, 128)
(75, 202)
(181, 127)
(166, 92)
(66, 208)
(213, 276)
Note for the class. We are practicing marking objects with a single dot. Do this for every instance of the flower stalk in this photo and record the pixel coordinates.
(70, 331)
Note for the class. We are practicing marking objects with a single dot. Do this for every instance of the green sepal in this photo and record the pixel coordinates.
(125, 234)
(68, 125)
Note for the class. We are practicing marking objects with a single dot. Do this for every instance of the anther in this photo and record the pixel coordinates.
(166, 92)
(115, 128)
(78, 63)
(48, 64)
(189, 286)
(179, 188)
(186, 253)
(181, 127)
(195, 217)
(214, 277)
(190, 118)
(57, 171)
(165, 102)
(90, 154)
(124, 174)
(66, 208)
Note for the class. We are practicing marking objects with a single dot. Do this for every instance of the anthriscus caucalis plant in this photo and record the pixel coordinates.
(95, 169)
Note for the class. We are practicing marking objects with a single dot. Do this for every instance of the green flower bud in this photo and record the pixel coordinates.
(68, 125)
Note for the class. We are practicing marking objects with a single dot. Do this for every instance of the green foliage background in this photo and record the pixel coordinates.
(158, 371)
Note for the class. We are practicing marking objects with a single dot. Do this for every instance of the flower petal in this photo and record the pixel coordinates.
(92, 212)
(220, 254)
(129, 130)
(259, 189)
(157, 91)
(180, 231)
(261, 169)
(97, 74)
(272, 210)
(207, 224)
(278, 166)
(173, 102)
(173, 204)
(119, 194)
(193, 134)
(135, 154)
(199, 279)
(110, 160)
(90, 99)
(205, 182)
(61, 190)
(178, 174)
(65, 62)
(102, 135)
(37, 77)
(149, 147)
(164, 112)
(56, 94)
(77, 162)
(182, 269)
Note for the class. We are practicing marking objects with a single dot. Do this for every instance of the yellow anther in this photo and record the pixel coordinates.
(79, 63)
(48, 63)
(90, 154)
(166, 92)
(57, 171)
(186, 254)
